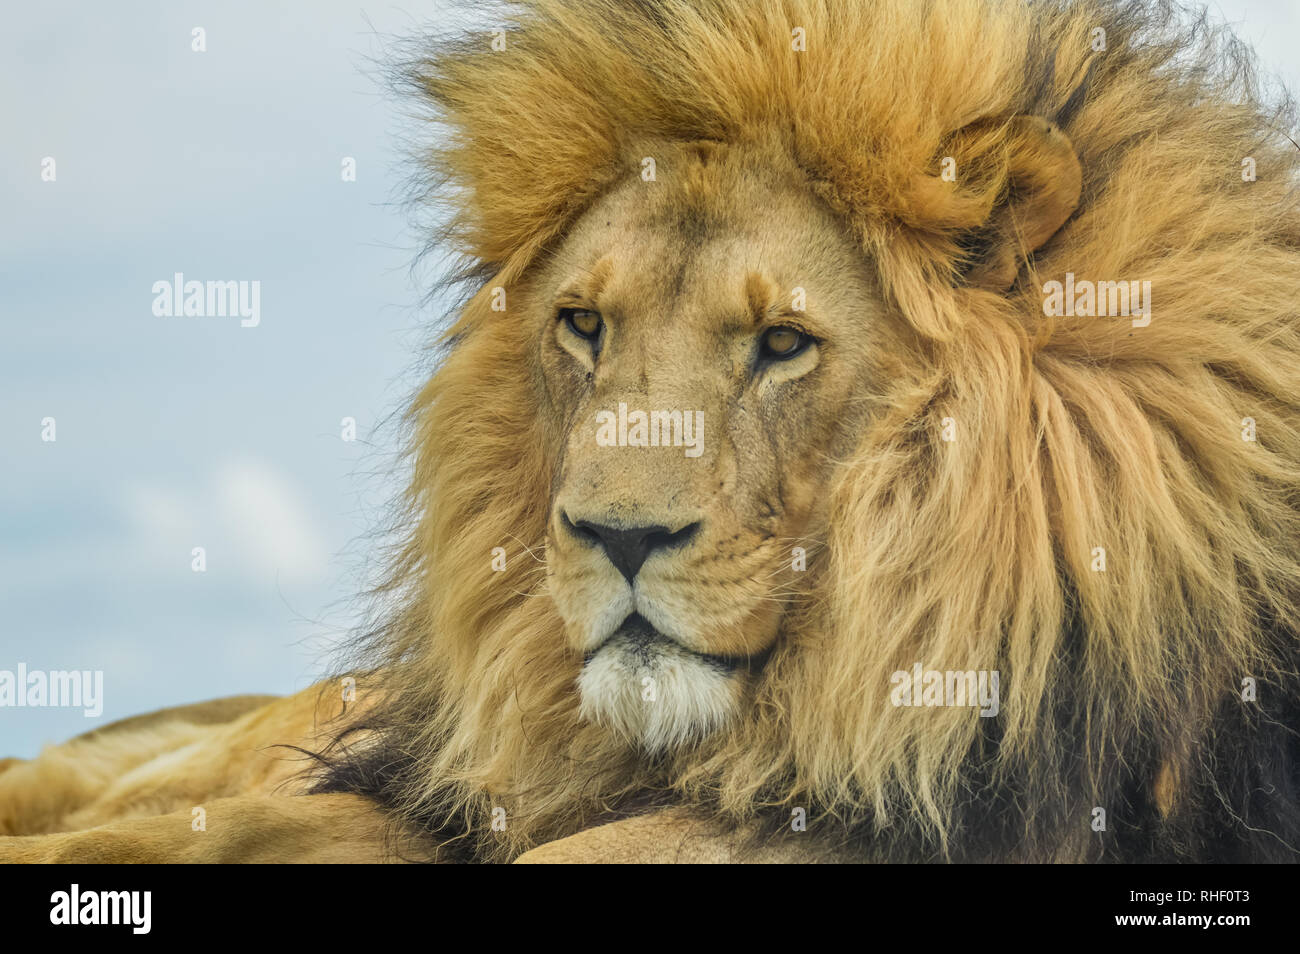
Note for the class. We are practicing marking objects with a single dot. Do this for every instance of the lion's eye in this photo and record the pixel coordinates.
(582, 322)
(783, 342)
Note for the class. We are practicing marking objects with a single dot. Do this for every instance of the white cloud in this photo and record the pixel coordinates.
(272, 529)
(249, 518)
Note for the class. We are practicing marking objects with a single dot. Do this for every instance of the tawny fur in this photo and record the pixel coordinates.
(171, 760)
(1072, 433)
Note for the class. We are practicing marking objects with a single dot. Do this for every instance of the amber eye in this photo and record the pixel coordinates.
(582, 322)
(783, 342)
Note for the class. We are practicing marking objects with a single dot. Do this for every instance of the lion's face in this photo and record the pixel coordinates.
(704, 345)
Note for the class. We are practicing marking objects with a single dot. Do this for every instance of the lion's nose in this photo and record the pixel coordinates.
(629, 547)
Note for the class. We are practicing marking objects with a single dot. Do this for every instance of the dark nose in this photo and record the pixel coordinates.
(629, 547)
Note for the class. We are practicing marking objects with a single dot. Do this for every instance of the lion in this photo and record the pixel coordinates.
(871, 432)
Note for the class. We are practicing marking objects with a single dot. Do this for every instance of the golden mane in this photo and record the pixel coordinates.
(1072, 433)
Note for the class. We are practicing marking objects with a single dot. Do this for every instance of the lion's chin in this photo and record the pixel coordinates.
(653, 692)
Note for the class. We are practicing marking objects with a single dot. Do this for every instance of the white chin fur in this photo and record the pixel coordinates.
(658, 696)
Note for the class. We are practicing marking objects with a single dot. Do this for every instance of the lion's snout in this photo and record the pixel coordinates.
(627, 547)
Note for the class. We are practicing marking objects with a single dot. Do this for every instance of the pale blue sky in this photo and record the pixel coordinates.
(183, 432)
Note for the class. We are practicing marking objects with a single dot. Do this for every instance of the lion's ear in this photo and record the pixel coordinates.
(1010, 184)
(1043, 180)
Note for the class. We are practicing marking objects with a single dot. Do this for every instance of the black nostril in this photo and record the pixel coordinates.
(629, 547)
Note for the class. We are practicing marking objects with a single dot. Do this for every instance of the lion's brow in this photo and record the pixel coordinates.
(760, 293)
(592, 282)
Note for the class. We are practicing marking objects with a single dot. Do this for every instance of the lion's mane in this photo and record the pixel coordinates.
(1121, 689)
